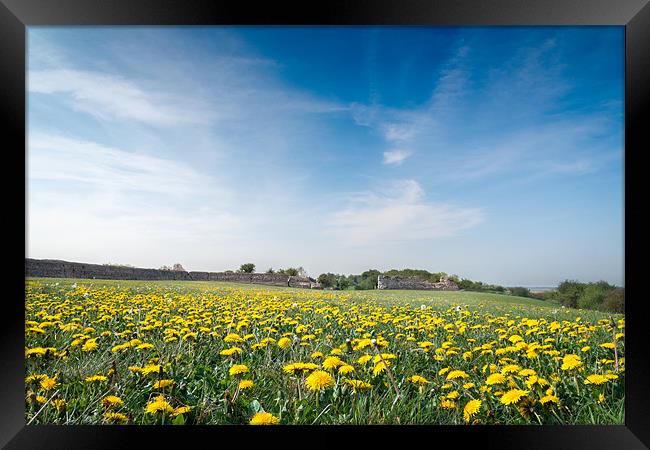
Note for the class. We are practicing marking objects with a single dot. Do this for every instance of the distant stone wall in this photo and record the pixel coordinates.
(63, 269)
(414, 283)
(50, 268)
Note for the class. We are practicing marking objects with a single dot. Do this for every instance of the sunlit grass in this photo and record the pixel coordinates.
(163, 352)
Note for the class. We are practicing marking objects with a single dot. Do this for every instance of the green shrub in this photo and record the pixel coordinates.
(615, 301)
(519, 291)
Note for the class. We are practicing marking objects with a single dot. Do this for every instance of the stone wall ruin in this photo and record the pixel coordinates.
(415, 283)
(50, 268)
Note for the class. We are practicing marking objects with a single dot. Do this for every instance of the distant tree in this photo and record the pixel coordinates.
(369, 279)
(165, 268)
(342, 282)
(439, 276)
(291, 271)
(419, 273)
(270, 270)
(178, 268)
(615, 301)
(519, 291)
(569, 291)
(247, 268)
(327, 280)
(593, 295)
(117, 265)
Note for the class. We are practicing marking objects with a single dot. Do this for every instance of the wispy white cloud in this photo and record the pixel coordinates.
(95, 166)
(396, 156)
(399, 213)
(111, 97)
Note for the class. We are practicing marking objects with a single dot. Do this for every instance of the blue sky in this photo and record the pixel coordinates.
(491, 153)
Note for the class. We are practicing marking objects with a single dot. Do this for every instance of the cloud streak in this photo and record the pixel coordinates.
(110, 97)
(399, 213)
(61, 159)
(396, 156)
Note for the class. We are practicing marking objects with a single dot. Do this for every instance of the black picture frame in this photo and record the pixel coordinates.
(16, 15)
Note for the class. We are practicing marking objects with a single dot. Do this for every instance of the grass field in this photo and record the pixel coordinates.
(169, 352)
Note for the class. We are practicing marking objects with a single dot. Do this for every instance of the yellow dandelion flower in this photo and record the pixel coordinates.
(152, 369)
(455, 374)
(379, 368)
(144, 346)
(264, 418)
(238, 369)
(471, 409)
(346, 369)
(596, 379)
(549, 399)
(319, 380)
(89, 345)
(112, 400)
(233, 337)
(48, 383)
(513, 396)
(59, 404)
(161, 384)
(510, 368)
(35, 377)
(570, 362)
(527, 372)
(158, 404)
(94, 378)
(230, 351)
(534, 379)
(246, 384)
(332, 362)
(116, 417)
(358, 384)
(417, 379)
(284, 342)
(364, 359)
(181, 410)
(292, 368)
(448, 404)
(384, 356)
(495, 378)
